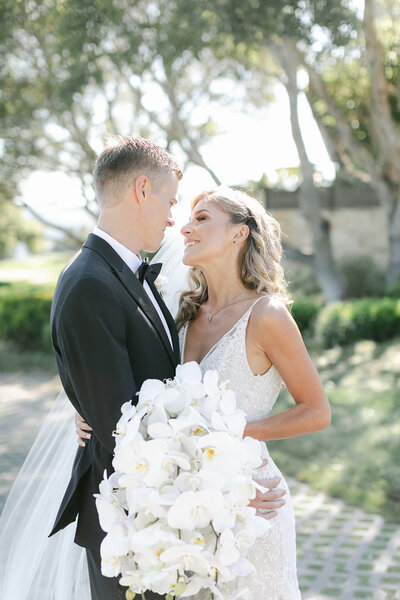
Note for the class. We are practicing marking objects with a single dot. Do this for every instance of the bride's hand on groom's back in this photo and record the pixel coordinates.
(82, 430)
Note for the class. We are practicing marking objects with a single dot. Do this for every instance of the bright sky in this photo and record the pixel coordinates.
(247, 147)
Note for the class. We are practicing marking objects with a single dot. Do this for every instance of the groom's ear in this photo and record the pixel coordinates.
(141, 188)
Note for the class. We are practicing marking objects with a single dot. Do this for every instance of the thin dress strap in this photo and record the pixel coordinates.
(247, 314)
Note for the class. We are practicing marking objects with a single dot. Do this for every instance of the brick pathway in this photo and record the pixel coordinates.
(343, 553)
(25, 400)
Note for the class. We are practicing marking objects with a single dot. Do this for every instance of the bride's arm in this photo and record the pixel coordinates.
(278, 336)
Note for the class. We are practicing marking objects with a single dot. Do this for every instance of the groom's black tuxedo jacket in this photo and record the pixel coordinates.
(107, 338)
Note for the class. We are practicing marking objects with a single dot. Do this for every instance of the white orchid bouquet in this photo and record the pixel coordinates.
(176, 510)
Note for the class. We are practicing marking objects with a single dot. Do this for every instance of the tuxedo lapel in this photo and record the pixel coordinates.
(133, 287)
(170, 321)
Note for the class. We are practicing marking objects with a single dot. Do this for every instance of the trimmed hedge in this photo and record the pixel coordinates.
(24, 319)
(304, 313)
(343, 323)
(362, 277)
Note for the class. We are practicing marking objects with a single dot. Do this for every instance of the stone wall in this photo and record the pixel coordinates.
(358, 222)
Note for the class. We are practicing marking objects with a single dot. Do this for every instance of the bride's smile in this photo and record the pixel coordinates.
(210, 237)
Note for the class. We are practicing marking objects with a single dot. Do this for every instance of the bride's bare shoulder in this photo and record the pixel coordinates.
(273, 313)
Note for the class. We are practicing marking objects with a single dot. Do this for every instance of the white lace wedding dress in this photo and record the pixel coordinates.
(274, 555)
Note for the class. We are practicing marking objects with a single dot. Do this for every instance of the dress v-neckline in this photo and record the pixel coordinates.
(207, 354)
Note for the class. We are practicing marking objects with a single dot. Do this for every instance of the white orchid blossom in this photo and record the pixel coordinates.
(113, 546)
(176, 511)
(189, 380)
(194, 509)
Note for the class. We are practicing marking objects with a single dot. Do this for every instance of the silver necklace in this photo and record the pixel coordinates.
(212, 314)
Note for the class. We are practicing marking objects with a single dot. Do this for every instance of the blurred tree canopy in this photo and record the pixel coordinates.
(77, 69)
(13, 227)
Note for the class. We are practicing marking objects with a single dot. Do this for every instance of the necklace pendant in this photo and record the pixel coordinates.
(209, 318)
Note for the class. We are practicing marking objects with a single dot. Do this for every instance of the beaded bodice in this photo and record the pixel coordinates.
(274, 555)
(255, 394)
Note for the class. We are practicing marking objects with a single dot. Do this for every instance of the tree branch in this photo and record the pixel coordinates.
(384, 130)
(68, 232)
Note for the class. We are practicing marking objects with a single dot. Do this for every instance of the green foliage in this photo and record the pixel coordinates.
(348, 83)
(394, 290)
(343, 323)
(362, 277)
(253, 22)
(304, 313)
(24, 319)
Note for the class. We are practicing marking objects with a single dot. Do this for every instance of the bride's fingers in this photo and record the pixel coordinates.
(269, 504)
(271, 500)
(83, 434)
(267, 515)
(82, 429)
(81, 423)
(272, 494)
(269, 483)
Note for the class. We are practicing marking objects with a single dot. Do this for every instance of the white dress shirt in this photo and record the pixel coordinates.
(133, 261)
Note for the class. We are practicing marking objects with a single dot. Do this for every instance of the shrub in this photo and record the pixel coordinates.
(24, 319)
(394, 290)
(347, 322)
(304, 313)
(362, 277)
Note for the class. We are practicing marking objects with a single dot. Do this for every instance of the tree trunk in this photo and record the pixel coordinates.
(385, 137)
(393, 272)
(326, 271)
(382, 171)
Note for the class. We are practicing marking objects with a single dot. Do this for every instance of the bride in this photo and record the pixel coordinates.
(234, 319)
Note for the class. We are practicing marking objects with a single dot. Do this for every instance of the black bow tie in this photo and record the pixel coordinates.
(148, 272)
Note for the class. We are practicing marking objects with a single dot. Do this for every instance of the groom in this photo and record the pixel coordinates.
(111, 329)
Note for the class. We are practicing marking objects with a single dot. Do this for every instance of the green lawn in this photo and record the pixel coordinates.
(36, 270)
(358, 457)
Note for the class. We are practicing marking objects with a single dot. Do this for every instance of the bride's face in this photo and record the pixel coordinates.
(208, 235)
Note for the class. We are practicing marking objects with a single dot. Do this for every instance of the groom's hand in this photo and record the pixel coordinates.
(82, 430)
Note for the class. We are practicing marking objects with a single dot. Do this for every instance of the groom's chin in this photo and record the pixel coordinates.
(153, 248)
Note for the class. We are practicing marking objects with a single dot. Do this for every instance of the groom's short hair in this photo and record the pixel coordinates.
(125, 158)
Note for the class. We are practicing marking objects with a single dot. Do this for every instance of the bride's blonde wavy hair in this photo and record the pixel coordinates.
(259, 260)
